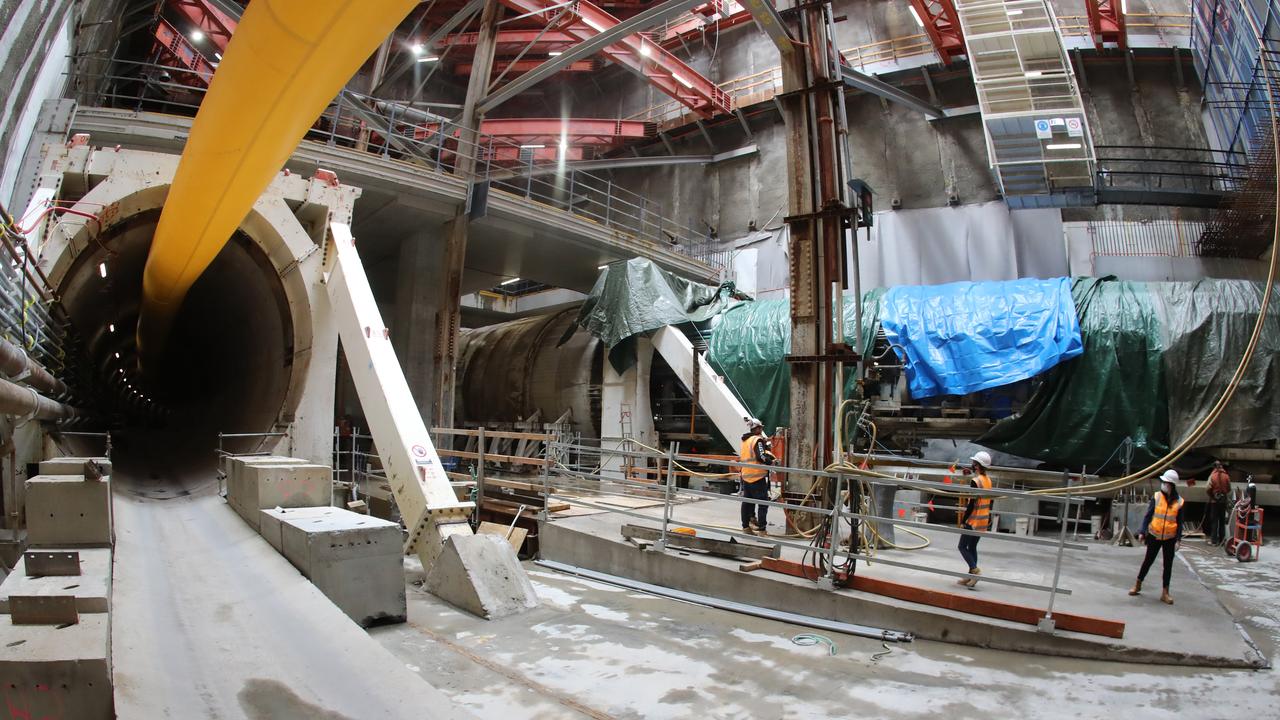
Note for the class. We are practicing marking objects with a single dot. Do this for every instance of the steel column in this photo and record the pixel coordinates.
(942, 25)
(1106, 23)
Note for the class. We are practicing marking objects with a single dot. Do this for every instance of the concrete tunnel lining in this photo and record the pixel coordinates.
(232, 366)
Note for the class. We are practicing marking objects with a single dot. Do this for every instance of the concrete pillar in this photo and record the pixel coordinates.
(625, 408)
(419, 274)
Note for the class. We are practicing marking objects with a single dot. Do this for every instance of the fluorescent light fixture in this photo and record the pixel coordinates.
(1062, 146)
(532, 147)
(682, 80)
(416, 48)
(564, 145)
(117, 356)
(508, 282)
(1011, 13)
(218, 55)
(916, 15)
(429, 58)
(102, 269)
(196, 36)
(111, 327)
(644, 48)
(601, 267)
(1033, 73)
(554, 53)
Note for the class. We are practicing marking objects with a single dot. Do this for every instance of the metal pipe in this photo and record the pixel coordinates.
(19, 367)
(25, 402)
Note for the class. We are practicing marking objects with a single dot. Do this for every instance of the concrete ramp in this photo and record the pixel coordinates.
(209, 621)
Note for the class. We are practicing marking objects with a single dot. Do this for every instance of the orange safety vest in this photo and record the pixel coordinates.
(980, 519)
(748, 454)
(1164, 521)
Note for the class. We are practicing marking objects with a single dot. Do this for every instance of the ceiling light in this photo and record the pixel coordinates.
(1014, 12)
(102, 269)
(218, 55)
(644, 49)
(1124, 7)
(564, 145)
(1033, 73)
(1062, 146)
(683, 80)
(416, 49)
(601, 267)
(532, 147)
(429, 58)
(111, 327)
(916, 15)
(196, 36)
(508, 282)
(554, 53)
(117, 356)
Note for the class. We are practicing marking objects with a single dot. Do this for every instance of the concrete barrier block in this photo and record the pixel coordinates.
(271, 522)
(68, 510)
(72, 465)
(482, 575)
(91, 588)
(356, 560)
(50, 671)
(235, 466)
(259, 487)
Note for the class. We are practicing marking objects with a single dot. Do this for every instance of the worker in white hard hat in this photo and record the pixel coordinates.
(755, 449)
(1162, 530)
(976, 517)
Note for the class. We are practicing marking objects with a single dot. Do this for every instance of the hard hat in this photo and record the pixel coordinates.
(983, 458)
(754, 422)
(1170, 476)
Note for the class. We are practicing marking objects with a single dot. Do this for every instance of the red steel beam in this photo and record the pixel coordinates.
(181, 55)
(966, 603)
(662, 69)
(1106, 23)
(215, 24)
(550, 131)
(942, 25)
(524, 66)
(511, 42)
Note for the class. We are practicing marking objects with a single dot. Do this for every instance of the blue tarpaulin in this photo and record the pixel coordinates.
(969, 336)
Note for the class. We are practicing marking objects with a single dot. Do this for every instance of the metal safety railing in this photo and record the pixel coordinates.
(590, 488)
(31, 314)
(222, 454)
(432, 143)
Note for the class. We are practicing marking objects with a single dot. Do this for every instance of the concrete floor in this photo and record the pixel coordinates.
(599, 651)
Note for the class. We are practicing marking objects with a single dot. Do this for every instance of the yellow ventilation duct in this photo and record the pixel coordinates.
(286, 61)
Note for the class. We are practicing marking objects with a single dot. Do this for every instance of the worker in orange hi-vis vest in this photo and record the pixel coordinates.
(1162, 529)
(755, 481)
(977, 516)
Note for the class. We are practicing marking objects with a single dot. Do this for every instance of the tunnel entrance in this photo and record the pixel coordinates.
(225, 367)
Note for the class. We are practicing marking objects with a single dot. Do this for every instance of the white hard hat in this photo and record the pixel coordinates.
(983, 458)
(1170, 476)
(754, 422)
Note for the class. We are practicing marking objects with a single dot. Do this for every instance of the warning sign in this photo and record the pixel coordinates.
(419, 451)
(1075, 128)
(1043, 130)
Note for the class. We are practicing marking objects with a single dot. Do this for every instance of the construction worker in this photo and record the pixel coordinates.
(755, 481)
(1162, 529)
(1218, 493)
(977, 516)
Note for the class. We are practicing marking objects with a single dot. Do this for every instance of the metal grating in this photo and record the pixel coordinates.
(1037, 133)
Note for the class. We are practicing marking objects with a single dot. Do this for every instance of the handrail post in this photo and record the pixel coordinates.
(666, 496)
(1047, 622)
(480, 473)
(546, 482)
(828, 580)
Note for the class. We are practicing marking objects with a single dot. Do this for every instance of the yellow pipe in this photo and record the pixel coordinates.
(286, 61)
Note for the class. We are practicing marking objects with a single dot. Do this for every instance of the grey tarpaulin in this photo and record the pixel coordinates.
(637, 297)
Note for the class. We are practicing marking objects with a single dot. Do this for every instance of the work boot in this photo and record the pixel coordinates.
(749, 530)
(1165, 597)
(1137, 587)
(973, 581)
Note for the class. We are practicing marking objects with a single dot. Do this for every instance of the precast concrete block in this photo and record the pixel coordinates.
(271, 522)
(72, 465)
(91, 588)
(482, 575)
(356, 560)
(235, 465)
(68, 510)
(285, 486)
(57, 671)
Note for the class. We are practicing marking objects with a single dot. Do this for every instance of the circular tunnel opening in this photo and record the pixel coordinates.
(224, 368)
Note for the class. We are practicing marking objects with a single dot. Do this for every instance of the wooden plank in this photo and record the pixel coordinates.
(43, 563)
(966, 603)
(509, 508)
(540, 437)
(514, 535)
(43, 609)
(723, 548)
(490, 457)
(751, 566)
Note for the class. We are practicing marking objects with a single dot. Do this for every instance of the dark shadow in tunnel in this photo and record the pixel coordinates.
(225, 367)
